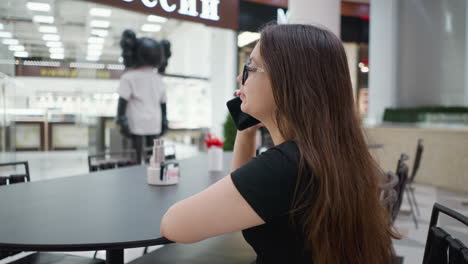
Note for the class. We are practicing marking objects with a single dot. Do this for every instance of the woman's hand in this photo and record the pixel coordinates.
(244, 146)
(252, 129)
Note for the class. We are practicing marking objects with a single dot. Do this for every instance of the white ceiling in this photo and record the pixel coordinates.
(72, 20)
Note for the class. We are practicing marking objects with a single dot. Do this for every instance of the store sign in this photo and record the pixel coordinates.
(65, 72)
(278, 3)
(218, 13)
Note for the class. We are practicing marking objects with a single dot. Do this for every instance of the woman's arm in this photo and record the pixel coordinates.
(217, 210)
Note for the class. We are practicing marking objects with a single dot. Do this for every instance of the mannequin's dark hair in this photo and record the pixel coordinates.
(139, 52)
(128, 44)
(166, 48)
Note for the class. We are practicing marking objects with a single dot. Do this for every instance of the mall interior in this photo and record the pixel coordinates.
(75, 188)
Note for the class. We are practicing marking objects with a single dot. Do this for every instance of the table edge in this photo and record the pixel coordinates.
(85, 247)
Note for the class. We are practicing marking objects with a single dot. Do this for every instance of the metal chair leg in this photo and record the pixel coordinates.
(415, 220)
(414, 199)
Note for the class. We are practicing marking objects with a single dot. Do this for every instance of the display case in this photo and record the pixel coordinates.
(67, 136)
(28, 135)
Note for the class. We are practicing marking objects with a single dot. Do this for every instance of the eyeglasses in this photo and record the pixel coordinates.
(247, 69)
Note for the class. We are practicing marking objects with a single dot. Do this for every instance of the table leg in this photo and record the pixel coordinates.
(115, 256)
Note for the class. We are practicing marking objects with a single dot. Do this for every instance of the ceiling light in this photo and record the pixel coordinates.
(56, 50)
(4, 34)
(157, 19)
(21, 54)
(151, 28)
(43, 19)
(50, 37)
(54, 44)
(99, 32)
(246, 38)
(95, 47)
(57, 56)
(92, 58)
(101, 12)
(10, 42)
(100, 24)
(16, 48)
(95, 40)
(48, 29)
(34, 6)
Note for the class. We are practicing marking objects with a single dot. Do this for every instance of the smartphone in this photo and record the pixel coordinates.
(241, 119)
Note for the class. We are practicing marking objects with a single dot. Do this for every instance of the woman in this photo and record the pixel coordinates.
(313, 198)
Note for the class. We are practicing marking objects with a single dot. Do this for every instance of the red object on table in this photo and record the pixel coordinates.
(213, 141)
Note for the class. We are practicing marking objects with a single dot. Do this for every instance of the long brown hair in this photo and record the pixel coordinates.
(342, 218)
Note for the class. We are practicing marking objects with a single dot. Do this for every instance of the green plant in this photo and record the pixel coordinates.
(418, 114)
(230, 132)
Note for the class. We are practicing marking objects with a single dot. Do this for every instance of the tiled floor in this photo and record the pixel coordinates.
(49, 165)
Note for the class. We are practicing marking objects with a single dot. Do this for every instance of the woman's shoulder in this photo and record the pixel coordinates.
(288, 150)
(267, 182)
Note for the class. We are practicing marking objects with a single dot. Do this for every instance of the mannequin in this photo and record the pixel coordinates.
(142, 110)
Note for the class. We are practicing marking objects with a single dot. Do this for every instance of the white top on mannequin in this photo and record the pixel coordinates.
(144, 91)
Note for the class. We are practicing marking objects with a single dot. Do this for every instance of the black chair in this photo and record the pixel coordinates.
(111, 160)
(389, 194)
(402, 173)
(15, 178)
(442, 247)
(4, 180)
(388, 197)
(12, 179)
(416, 164)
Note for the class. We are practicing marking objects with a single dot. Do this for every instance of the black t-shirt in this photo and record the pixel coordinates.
(267, 183)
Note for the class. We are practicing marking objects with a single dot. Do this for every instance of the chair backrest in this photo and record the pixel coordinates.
(442, 247)
(402, 174)
(15, 178)
(389, 195)
(110, 160)
(417, 159)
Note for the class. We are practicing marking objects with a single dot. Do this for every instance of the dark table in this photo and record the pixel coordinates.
(107, 210)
